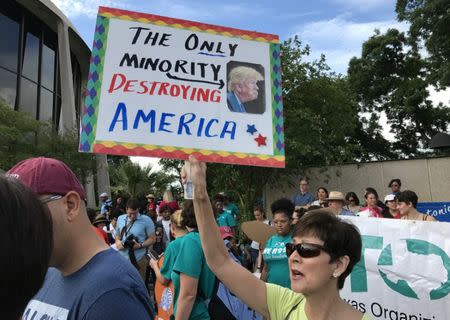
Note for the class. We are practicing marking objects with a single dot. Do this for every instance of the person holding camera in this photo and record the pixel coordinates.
(135, 232)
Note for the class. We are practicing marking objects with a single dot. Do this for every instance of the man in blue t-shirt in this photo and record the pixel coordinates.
(303, 198)
(87, 279)
(135, 232)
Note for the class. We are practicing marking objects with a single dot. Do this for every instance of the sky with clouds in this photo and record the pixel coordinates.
(336, 28)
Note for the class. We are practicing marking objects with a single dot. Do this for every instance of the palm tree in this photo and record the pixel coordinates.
(132, 179)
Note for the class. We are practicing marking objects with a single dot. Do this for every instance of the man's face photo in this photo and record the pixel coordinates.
(247, 90)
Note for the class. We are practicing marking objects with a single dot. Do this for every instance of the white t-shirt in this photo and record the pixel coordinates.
(166, 226)
(111, 230)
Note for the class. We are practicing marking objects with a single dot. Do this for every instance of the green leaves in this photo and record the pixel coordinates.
(130, 179)
(392, 77)
(429, 24)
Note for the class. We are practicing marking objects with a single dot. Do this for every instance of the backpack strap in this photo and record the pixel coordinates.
(292, 310)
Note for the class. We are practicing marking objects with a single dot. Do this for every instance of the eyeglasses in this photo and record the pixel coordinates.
(305, 250)
(51, 198)
(394, 185)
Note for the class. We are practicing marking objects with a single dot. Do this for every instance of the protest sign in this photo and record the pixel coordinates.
(404, 272)
(439, 210)
(166, 87)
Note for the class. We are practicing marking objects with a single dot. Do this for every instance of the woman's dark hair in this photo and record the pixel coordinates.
(27, 238)
(408, 197)
(353, 195)
(370, 190)
(386, 213)
(399, 182)
(260, 209)
(188, 215)
(301, 211)
(218, 198)
(322, 188)
(339, 237)
(283, 205)
(166, 207)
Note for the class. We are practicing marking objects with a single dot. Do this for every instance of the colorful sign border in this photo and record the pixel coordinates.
(92, 96)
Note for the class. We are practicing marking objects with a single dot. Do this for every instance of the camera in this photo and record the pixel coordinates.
(129, 241)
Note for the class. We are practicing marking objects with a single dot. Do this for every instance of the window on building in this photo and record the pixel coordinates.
(8, 83)
(9, 36)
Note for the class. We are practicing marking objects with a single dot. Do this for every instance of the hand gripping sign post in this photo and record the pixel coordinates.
(404, 272)
(164, 87)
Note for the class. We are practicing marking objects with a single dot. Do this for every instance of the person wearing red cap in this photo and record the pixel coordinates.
(24, 260)
(86, 277)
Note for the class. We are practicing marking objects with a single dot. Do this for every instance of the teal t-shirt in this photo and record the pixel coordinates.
(232, 209)
(225, 219)
(170, 255)
(191, 261)
(277, 261)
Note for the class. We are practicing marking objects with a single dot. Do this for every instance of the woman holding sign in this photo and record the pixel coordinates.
(322, 254)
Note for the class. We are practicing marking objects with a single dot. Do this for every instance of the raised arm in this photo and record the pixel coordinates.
(238, 279)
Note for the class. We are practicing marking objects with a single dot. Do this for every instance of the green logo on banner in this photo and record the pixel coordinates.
(358, 278)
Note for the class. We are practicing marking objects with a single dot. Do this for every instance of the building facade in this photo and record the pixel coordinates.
(44, 65)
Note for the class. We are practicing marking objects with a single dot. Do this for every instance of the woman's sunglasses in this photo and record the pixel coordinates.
(305, 250)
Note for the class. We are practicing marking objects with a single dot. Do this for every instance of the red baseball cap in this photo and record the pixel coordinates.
(47, 176)
(226, 232)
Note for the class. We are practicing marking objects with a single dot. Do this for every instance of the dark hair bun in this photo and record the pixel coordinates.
(283, 205)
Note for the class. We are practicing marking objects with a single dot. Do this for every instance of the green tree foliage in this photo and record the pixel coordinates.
(17, 136)
(130, 179)
(391, 77)
(22, 137)
(319, 111)
(429, 24)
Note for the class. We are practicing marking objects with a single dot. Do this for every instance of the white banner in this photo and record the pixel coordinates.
(404, 272)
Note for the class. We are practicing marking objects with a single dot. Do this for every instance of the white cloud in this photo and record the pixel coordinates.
(89, 8)
(341, 39)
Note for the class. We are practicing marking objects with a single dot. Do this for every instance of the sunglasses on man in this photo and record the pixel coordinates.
(305, 250)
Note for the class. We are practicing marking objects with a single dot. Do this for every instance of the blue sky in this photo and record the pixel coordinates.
(336, 28)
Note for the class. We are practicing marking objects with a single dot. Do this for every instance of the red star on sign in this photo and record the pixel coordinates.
(261, 140)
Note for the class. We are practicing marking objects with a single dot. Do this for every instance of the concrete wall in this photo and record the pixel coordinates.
(429, 178)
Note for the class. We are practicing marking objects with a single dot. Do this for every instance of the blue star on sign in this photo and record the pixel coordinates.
(251, 129)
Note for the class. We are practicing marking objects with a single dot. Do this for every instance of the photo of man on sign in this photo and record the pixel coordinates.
(243, 89)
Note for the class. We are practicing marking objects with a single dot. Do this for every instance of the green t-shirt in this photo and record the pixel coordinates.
(280, 301)
(225, 219)
(277, 261)
(170, 255)
(191, 261)
(232, 208)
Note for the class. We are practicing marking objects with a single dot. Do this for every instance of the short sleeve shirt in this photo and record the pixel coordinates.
(106, 287)
(303, 199)
(142, 228)
(191, 261)
(282, 301)
(170, 255)
(225, 219)
(232, 209)
(276, 259)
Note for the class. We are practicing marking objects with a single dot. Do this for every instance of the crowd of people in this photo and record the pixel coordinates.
(397, 204)
(104, 264)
